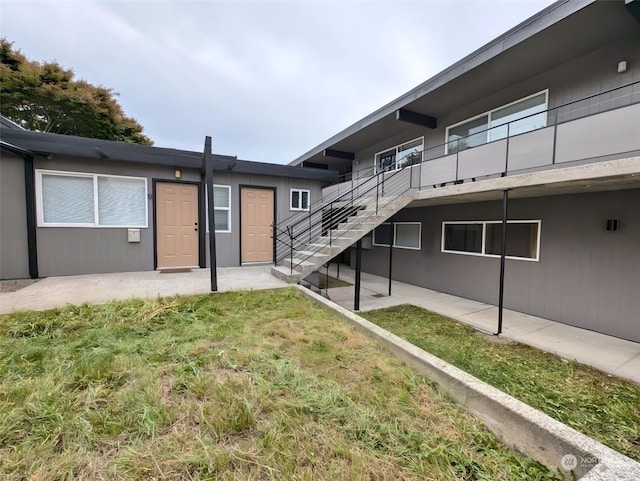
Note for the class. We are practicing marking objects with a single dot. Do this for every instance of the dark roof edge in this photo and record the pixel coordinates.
(14, 149)
(545, 18)
(107, 150)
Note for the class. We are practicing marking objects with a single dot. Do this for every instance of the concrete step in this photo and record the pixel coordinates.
(298, 264)
(330, 251)
(310, 253)
(286, 275)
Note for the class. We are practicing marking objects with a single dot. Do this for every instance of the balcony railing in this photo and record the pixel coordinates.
(588, 129)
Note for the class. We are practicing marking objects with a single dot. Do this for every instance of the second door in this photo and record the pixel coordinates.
(257, 214)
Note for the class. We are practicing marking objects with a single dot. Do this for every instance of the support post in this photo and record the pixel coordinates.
(391, 256)
(356, 297)
(326, 285)
(207, 166)
(503, 253)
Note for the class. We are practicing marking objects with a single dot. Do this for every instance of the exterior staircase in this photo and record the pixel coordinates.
(308, 240)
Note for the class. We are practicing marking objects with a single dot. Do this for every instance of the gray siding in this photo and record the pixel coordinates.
(584, 76)
(14, 254)
(64, 251)
(228, 245)
(79, 250)
(586, 277)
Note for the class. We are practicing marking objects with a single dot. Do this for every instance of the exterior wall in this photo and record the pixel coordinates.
(586, 276)
(228, 245)
(65, 251)
(14, 254)
(584, 76)
(81, 250)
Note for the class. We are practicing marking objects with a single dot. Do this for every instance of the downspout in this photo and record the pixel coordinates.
(30, 198)
(207, 167)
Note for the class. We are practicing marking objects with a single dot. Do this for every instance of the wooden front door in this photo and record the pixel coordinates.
(177, 224)
(256, 210)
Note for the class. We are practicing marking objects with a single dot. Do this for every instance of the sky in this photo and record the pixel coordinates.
(267, 80)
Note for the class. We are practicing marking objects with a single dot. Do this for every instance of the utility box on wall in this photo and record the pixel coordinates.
(133, 235)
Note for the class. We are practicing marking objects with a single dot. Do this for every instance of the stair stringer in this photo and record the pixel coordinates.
(321, 249)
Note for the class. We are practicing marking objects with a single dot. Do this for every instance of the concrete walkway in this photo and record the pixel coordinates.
(100, 288)
(609, 354)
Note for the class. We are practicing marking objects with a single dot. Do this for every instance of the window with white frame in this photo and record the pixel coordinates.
(399, 156)
(299, 199)
(221, 208)
(484, 238)
(515, 118)
(404, 235)
(75, 199)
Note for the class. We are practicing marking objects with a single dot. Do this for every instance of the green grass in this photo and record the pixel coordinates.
(603, 407)
(332, 282)
(236, 386)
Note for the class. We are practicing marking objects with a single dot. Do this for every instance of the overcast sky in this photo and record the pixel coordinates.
(267, 80)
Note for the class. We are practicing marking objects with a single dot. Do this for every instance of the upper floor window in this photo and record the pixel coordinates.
(399, 156)
(299, 199)
(74, 199)
(518, 117)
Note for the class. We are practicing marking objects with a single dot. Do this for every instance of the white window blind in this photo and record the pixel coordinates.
(67, 199)
(121, 201)
(408, 235)
(221, 196)
(222, 208)
(405, 235)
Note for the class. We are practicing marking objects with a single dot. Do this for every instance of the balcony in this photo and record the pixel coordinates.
(596, 128)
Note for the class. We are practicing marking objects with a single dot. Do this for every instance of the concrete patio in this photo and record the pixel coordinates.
(99, 288)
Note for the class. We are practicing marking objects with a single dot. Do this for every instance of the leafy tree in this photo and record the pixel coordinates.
(46, 97)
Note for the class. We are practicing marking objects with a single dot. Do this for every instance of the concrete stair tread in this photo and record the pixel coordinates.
(311, 253)
(319, 249)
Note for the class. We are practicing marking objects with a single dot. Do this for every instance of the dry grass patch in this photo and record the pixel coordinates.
(236, 386)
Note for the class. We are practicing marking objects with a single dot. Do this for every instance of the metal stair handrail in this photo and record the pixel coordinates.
(327, 215)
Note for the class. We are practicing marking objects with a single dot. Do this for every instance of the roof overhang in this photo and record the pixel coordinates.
(48, 145)
(536, 45)
(14, 149)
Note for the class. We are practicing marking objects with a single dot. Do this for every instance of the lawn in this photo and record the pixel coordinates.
(244, 385)
(600, 406)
